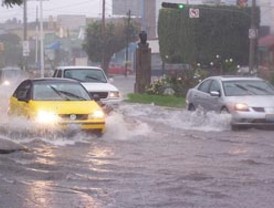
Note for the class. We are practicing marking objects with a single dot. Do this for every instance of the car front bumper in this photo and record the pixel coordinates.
(252, 119)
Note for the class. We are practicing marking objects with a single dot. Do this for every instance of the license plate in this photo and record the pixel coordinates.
(73, 126)
(269, 117)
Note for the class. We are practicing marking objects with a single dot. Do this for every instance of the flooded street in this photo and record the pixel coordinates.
(149, 157)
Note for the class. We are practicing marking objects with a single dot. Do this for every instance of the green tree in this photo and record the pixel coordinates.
(221, 30)
(12, 2)
(12, 49)
(114, 40)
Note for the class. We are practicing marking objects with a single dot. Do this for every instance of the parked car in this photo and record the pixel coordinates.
(94, 80)
(61, 102)
(249, 100)
(11, 75)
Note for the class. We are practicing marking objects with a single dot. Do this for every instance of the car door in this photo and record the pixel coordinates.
(213, 101)
(202, 95)
(19, 102)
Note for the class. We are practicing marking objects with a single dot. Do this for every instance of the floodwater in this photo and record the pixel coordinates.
(149, 157)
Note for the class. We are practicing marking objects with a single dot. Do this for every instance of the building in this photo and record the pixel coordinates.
(138, 8)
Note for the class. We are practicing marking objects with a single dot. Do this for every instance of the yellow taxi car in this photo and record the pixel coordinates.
(54, 101)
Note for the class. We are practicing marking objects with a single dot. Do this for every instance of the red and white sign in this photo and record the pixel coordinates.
(194, 13)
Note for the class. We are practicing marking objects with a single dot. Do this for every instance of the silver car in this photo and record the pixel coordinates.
(249, 100)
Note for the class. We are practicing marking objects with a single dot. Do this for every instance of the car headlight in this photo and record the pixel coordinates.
(241, 107)
(6, 83)
(114, 94)
(46, 117)
(97, 114)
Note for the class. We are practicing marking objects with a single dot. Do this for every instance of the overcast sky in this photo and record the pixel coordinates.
(90, 8)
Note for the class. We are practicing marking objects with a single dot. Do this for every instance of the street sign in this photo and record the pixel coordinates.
(194, 13)
(252, 33)
(26, 49)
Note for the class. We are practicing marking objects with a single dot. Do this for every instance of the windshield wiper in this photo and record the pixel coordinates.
(59, 93)
(94, 78)
(72, 95)
(260, 89)
(243, 88)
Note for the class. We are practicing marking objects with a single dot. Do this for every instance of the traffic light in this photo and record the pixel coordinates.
(172, 5)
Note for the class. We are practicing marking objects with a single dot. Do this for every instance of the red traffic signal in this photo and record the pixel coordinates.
(172, 5)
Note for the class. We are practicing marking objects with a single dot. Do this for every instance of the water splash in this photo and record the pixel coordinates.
(179, 118)
(119, 127)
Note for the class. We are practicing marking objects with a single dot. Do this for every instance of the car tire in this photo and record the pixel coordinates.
(191, 107)
(235, 127)
(224, 110)
(98, 132)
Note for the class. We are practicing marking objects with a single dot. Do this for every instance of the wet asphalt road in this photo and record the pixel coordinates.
(149, 157)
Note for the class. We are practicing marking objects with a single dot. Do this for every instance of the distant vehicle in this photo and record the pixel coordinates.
(93, 79)
(11, 75)
(119, 70)
(60, 102)
(250, 100)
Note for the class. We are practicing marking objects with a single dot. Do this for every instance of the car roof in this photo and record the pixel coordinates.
(234, 77)
(78, 67)
(10, 68)
(49, 79)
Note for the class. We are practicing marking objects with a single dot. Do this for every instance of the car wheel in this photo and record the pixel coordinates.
(224, 110)
(235, 127)
(98, 132)
(191, 107)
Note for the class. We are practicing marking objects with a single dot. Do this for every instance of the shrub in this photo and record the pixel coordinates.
(176, 84)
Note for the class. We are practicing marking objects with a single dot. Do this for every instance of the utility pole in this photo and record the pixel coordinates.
(25, 37)
(253, 35)
(103, 64)
(36, 38)
(41, 40)
(128, 25)
(143, 24)
(25, 20)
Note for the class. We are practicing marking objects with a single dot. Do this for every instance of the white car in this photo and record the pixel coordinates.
(250, 100)
(11, 75)
(94, 80)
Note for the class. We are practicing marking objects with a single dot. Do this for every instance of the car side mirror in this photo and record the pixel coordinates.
(23, 99)
(96, 97)
(215, 93)
(111, 80)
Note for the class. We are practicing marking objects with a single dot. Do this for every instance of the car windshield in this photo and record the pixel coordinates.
(49, 91)
(86, 75)
(247, 87)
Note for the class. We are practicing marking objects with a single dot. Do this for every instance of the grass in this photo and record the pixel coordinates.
(161, 100)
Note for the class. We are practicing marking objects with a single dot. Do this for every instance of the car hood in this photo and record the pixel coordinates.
(99, 87)
(65, 107)
(260, 101)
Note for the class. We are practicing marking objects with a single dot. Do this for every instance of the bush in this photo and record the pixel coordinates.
(176, 84)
